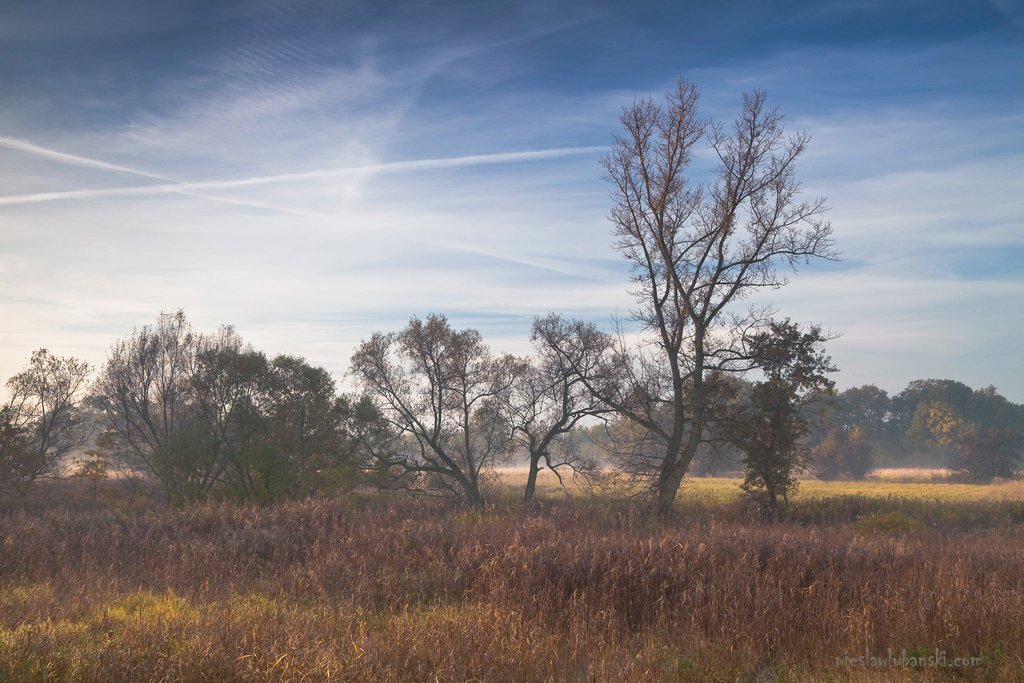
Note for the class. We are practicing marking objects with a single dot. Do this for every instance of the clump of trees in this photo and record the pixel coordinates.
(979, 435)
(209, 415)
(842, 454)
(206, 415)
(454, 410)
(938, 422)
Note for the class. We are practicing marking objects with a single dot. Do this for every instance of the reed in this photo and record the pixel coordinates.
(581, 589)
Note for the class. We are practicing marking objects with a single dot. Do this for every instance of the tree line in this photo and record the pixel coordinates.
(206, 415)
(696, 368)
(932, 422)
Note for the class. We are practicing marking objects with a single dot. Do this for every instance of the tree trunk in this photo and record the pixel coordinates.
(472, 492)
(531, 481)
(668, 487)
(674, 469)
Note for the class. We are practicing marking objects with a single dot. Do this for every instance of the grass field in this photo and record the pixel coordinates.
(586, 588)
(902, 483)
(812, 488)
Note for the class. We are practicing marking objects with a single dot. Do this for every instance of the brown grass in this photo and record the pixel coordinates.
(910, 483)
(911, 474)
(581, 590)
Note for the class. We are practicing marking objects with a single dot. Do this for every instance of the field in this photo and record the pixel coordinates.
(585, 588)
(907, 483)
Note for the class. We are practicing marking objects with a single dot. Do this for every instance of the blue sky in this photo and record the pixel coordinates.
(313, 171)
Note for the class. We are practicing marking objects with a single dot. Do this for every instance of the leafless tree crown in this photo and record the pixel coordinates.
(696, 249)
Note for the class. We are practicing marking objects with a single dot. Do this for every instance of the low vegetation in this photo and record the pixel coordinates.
(582, 588)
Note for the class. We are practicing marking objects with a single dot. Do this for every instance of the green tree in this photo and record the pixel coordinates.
(986, 453)
(275, 425)
(19, 463)
(231, 390)
(370, 445)
(769, 423)
(867, 407)
(306, 424)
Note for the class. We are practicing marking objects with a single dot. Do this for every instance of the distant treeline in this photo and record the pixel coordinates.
(207, 415)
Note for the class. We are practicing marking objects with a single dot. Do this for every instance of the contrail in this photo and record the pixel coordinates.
(73, 159)
(87, 162)
(385, 167)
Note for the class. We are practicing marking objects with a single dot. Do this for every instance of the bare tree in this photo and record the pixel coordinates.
(550, 396)
(41, 423)
(438, 388)
(696, 250)
(149, 416)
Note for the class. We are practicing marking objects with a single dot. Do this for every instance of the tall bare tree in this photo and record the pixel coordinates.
(697, 249)
(41, 423)
(438, 388)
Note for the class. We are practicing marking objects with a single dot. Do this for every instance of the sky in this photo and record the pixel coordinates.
(313, 171)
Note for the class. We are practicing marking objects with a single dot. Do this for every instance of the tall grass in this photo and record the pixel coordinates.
(579, 590)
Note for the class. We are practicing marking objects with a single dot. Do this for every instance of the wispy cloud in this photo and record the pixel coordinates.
(560, 266)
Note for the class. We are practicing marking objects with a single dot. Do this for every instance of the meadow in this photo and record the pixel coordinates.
(584, 588)
(909, 483)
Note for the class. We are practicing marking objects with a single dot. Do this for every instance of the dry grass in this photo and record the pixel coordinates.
(917, 490)
(581, 590)
(912, 483)
(927, 474)
(513, 478)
